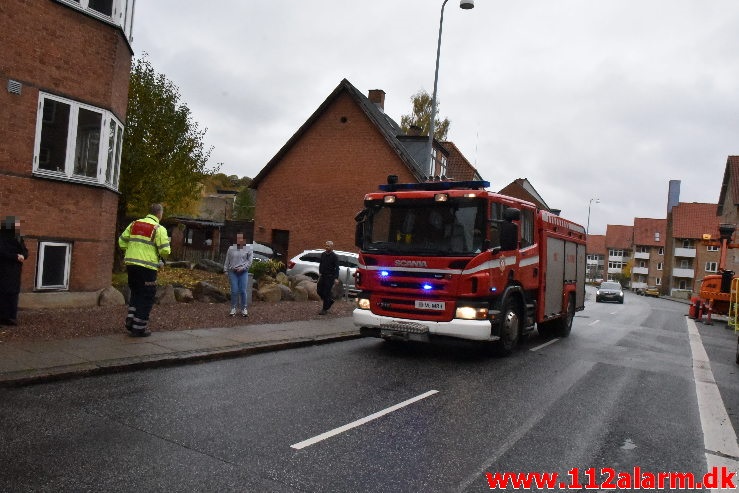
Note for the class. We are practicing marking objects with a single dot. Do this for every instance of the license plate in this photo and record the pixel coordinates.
(429, 305)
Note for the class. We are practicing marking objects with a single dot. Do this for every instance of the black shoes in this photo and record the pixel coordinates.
(139, 333)
(322, 312)
(8, 321)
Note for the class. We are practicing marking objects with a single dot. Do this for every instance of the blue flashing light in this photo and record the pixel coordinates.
(427, 287)
(384, 273)
(492, 290)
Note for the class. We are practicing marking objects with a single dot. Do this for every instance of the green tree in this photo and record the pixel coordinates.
(164, 158)
(421, 117)
(244, 204)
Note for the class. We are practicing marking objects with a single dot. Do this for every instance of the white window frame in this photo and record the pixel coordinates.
(659, 265)
(658, 281)
(711, 266)
(40, 267)
(661, 251)
(712, 248)
(108, 160)
(121, 15)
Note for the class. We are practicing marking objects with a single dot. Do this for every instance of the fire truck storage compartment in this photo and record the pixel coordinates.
(564, 261)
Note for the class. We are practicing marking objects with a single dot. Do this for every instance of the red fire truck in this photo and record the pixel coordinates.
(451, 259)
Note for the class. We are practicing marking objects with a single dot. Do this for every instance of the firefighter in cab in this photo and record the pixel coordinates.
(146, 245)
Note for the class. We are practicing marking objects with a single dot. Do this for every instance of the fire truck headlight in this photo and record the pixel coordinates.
(441, 197)
(471, 313)
(363, 303)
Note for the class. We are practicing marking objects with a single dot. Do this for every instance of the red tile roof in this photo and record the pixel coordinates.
(596, 245)
(649, 232)
(619, 236)
(458, 168)
(693, 220)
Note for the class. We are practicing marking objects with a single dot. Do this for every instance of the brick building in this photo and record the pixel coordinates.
(596, 253)
(619, 244)
(687, 259)
(64, 76)
(310, 191)
(649, 252)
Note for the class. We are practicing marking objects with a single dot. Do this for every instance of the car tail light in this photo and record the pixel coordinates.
(290, 264)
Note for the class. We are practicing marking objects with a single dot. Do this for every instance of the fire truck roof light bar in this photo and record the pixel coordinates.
(437, 185)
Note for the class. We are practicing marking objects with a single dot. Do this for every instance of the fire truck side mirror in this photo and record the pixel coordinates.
(360, 218)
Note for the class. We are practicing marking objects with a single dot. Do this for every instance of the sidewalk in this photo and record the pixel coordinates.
(24, 363)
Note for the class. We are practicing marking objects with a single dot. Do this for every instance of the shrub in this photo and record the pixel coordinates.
(265, 268)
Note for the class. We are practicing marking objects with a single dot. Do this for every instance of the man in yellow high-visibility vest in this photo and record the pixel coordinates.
(146, 244)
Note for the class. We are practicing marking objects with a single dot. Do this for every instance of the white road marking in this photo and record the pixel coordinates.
(719, 437)
(544, 345)
(593, 322)
(359, 422)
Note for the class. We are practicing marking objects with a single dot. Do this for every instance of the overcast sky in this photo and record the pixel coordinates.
(606, 99)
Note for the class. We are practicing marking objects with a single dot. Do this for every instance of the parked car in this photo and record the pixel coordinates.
(652, 291)
(264, 251)
(609, 291)
(306, 263)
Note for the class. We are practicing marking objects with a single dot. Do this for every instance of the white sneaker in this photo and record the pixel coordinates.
(232, 312)
(244, 313)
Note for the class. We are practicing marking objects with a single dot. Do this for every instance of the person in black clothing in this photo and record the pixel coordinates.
(13, 253)
(328, 275)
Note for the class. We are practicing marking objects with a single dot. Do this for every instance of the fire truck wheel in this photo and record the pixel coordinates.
(565, 323)
(510, 330)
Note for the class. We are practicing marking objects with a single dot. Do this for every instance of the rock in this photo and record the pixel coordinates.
(310, 288)
(183, 295)
(296, 280)
(110, 296)
(270, 293)
(265, 281)
(300, 293)
(165, 295)
(208, 293)
(287, 294)
(209, 265)
(282, 278)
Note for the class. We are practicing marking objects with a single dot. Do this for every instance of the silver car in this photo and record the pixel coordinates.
(306, 263)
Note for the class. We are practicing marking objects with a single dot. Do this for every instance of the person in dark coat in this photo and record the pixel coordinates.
(13, 253)
(328, 275)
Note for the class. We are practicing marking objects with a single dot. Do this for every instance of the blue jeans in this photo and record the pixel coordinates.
(238, 282)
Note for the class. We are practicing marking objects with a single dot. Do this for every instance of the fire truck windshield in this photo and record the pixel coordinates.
(425, 227)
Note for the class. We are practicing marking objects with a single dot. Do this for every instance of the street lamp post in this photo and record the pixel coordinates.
(597, 201)
(466, 5)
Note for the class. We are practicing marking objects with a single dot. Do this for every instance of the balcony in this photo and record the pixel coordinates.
(642, 255)
(640, 270)
(685, 252)
(683, 273)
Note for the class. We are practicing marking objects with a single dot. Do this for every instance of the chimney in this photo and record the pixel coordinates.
(414, 130)
(673, 195)
(377, 96)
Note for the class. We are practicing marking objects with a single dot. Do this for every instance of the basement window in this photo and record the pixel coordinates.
(77, 142)
(54, 261)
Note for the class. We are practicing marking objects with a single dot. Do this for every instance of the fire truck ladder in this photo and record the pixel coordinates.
(733, 303)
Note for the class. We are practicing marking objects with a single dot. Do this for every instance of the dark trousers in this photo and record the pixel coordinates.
(324, 288)
(143, 285)
(8, 306)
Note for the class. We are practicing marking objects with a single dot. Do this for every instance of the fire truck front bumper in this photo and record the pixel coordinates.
(371, 325)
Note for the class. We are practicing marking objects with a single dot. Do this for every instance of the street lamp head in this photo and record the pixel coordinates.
(467, 4)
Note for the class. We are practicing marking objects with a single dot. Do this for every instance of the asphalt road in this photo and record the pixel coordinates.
(366, 415)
